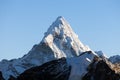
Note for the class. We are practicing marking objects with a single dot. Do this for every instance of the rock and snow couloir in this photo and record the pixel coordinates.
(59, 41)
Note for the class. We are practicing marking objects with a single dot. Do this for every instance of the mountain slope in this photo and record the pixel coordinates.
(59, 41)
(74, 68)
(62, 69)
(53, 70)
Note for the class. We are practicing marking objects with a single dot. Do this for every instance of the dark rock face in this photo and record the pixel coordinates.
(53, 70)
(101, 71)
(1, 77)
(12, 78)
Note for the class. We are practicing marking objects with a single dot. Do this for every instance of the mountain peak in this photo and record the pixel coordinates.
(60, 28)
(60, 18)
(61, 38)
(59, 25)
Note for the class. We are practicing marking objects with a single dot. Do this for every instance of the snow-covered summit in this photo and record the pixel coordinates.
(60, 27)
(62, 39)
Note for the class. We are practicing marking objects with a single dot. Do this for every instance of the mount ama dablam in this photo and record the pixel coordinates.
(60, 56)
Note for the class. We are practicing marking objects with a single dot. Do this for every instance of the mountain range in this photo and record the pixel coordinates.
(61, 56)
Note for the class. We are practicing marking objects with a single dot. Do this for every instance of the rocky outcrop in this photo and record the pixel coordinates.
(53, 70)
(101, 70)
(12, 78)
(1, 77)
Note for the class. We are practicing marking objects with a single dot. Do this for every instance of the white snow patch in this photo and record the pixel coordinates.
(79, 65)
